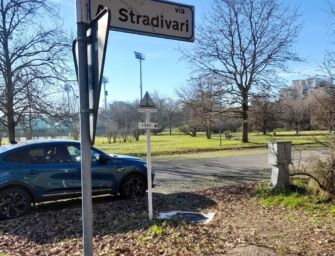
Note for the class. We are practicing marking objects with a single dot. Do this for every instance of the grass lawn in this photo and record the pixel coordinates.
(164, 144)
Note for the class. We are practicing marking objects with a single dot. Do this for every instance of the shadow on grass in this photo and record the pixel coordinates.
(60, 221)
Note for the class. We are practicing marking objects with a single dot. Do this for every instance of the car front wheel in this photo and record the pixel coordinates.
(14, 202)
(134, 186)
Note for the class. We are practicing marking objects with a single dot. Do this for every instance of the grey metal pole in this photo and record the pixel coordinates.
(85, 143)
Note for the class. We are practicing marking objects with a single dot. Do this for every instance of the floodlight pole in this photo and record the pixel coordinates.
(141, 85)
(140, 57)
(85, 141)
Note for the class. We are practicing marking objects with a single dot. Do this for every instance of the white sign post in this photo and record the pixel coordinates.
(147, 107)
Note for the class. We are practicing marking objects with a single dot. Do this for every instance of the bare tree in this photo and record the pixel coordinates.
(120, 120)
(329, 59)
(167, 114)
(244, 42)
(32, 58)
(295, 113)
(172, 113)
(203, 95)
(323, 109)
(263, 113)
(191, 121)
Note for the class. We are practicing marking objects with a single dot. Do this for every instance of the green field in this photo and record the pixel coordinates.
(164, 144)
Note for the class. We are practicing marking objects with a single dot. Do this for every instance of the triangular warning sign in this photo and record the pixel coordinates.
(147, 102)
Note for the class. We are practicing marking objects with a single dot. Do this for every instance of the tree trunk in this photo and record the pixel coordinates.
(264, 126)
(208, 131)
(296, 129)
(170, 128)
(137, 134)
(30, 116)
(11, 130)
(170, 125)
(245, 127)
(194, 132)
(264, 130)
(109, 137)
(9, 94)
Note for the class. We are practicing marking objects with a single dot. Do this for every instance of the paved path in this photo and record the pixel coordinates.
(183, 175)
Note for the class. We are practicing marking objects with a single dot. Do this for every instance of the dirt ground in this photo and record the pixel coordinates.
(241, 226)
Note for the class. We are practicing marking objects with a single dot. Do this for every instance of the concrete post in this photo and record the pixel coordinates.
(280, 158)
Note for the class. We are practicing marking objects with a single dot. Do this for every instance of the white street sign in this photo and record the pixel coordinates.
(149, 17)
(144, 125)
(144, 110)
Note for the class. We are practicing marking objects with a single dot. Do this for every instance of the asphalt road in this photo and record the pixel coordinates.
(184, 175)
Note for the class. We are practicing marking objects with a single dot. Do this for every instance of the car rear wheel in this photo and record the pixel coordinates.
(14, 202)
(134, 186)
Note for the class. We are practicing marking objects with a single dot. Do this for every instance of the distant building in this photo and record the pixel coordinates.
(303, 88)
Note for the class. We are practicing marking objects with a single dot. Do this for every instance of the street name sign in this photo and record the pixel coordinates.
(149, 17)
(144, 125)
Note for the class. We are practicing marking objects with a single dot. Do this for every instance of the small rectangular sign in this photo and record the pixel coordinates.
(143, 125)
(149, 17)
(144, 110)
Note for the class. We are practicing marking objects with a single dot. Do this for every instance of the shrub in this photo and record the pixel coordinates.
(320, 171)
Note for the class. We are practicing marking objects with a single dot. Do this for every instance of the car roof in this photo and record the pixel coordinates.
(8, 147)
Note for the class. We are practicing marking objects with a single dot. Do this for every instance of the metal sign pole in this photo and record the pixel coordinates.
(147, 118)
(85, 142)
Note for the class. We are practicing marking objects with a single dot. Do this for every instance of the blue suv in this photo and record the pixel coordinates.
(43, 170)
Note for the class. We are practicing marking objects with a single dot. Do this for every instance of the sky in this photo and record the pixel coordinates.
(164, 70)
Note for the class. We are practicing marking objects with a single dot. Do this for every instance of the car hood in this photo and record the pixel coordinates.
(130, 158)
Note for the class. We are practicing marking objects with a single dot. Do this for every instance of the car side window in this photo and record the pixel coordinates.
(20, 156)
(54, 154)
(95, 155)
(36, 155)
(45, 154)
(74, 154)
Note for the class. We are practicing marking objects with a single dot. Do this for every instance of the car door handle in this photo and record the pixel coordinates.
(32, 172)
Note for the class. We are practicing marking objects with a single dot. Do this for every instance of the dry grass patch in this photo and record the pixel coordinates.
(121, 227)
